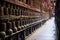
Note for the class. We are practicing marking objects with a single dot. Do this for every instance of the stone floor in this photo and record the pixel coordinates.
(45, 32)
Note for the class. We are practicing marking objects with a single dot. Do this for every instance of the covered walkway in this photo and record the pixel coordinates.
(45, 32)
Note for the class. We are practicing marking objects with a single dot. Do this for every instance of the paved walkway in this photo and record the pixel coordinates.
(46, 32)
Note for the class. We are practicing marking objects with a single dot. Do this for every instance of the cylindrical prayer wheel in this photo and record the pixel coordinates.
(14, 27)
(9, 30)
(2, 29)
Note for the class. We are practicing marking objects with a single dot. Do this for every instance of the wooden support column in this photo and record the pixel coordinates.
(57, 18)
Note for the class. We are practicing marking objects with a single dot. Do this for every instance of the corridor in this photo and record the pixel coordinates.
(45, 32)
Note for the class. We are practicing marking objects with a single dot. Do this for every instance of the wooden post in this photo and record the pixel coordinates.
(57, 18)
